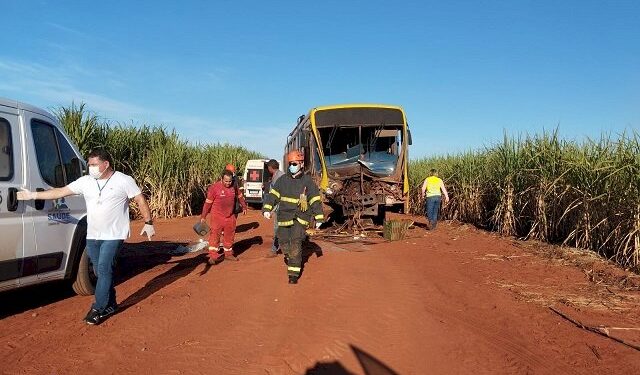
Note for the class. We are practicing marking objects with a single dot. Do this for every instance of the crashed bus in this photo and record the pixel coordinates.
(358, 156)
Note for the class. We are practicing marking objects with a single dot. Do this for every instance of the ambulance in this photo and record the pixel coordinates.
(256, 179)
(42, 240)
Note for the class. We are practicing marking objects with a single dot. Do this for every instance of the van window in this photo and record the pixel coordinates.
(6, 151)
(57, 162)
(254, 175)
(72, 165)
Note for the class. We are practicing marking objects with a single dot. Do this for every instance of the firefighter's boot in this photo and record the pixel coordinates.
(214, 256)
(228, 254)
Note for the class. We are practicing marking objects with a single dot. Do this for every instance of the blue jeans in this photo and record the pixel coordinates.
(432, 208)
(103, 254)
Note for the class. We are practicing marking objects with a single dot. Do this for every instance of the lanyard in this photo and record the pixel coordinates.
(103, 186)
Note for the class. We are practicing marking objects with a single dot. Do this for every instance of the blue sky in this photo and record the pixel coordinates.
(243, 71)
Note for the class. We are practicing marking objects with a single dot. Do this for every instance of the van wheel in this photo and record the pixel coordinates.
(85, 281)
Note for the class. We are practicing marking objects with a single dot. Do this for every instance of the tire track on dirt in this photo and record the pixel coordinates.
(460, 311)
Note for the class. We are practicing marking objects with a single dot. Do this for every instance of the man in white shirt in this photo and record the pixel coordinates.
(107, 194)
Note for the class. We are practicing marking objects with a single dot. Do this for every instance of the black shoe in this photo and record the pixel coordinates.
(91, 315)
(293, 279)
(100, 316)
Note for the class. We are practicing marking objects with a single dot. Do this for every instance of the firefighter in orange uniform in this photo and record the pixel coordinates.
(299, 203)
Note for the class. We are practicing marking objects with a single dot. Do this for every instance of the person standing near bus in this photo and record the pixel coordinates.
(298, 201)
(107, 194)
(274, 169)
(220, 201)
(433, 188)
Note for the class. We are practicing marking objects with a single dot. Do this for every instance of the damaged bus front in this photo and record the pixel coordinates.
(358, 154)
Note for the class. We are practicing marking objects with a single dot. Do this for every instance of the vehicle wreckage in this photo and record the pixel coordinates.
(358, 156)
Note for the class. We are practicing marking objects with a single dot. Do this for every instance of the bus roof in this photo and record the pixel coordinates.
(355, 105)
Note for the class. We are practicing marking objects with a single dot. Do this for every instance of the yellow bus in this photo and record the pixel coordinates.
(358, 155)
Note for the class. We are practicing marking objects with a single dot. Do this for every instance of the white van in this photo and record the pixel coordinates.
(41, 240)
(256, 178)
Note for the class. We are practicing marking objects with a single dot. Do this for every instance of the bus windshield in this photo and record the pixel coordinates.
(370, 137)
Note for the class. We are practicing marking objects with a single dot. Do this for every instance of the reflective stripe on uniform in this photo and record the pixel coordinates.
(285, 223)
(313, 199)
(267, 206)
(303, 222)
(274, 192)
(290, 200)
(319, 217)
(294, 269)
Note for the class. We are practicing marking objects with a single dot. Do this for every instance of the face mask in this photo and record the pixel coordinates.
(94, 171)
(294, 169)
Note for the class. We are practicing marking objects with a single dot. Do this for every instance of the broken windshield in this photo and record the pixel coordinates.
(375, 147)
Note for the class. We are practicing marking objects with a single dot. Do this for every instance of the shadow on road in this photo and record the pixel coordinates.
(134, 259)
(181, 268)
(370, 366)
(247, 226)
(31, 297)
(310, 248)
(244, 245)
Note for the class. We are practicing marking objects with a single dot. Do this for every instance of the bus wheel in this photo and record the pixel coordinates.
(85, 281)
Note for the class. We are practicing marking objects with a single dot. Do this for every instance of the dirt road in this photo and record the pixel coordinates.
(454, 301)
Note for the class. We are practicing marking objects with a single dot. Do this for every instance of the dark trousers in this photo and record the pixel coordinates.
(290, 240)
(432, 208)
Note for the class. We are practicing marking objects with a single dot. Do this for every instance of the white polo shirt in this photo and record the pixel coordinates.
(107, 205)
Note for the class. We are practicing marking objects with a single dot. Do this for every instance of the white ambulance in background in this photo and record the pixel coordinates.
(40, 240)
(256, 179)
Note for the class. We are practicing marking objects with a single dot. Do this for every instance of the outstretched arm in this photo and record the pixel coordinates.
(25, 195)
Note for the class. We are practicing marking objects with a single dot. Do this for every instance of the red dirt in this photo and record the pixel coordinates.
(453, 301)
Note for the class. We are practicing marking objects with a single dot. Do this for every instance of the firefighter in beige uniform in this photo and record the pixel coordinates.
(298, 200)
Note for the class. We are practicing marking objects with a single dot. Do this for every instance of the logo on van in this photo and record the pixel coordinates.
(60, 212)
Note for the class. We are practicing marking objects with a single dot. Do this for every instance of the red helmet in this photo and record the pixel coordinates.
(230, 168)
(295, 155)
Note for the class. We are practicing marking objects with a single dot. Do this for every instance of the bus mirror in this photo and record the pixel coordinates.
(409, 142)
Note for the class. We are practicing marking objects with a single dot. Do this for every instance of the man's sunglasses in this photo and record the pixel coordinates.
(293, 163)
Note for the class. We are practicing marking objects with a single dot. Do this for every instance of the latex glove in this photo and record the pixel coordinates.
(267, 214)
(26, 195)
(148, 228)
(318, 225)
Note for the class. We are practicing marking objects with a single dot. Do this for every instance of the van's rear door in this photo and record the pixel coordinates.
(12, 212)
(253, 183)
